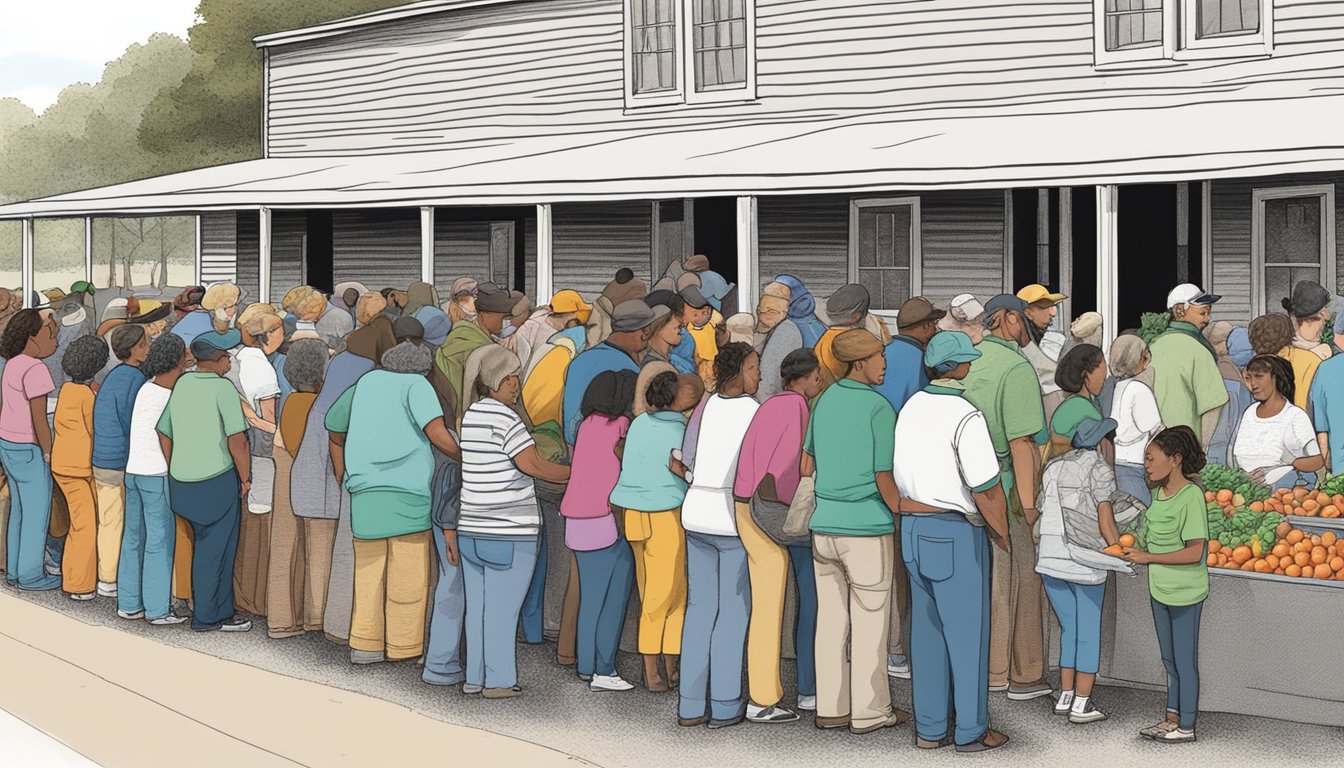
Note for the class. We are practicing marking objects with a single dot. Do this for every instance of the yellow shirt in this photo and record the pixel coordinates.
(1304, 364)
(72, 442)
(544, 390)
(706, 346)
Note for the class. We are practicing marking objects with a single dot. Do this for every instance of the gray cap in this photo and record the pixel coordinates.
(492, 298)
(635, 315)
(847, 302)
(693, 297)
(1308, 299)
(1000, 302)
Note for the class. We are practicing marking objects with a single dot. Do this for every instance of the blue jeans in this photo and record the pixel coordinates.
(533, 613)
(1078, 608)
(443, 656)
(214, 510)
(145, 570)
(805, 625)
(604, 593)
(1178, 637)
(948, 562)
(29, 515)
(718, 606)
(496, 573)
(1133, 479)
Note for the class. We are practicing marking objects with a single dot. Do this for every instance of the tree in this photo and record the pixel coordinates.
(213, 115)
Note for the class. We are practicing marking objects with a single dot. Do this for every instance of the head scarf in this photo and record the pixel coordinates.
(419, 296)
(1239, 347)
(848, 305)
(855, 345)
(489, 366)
(801, 303)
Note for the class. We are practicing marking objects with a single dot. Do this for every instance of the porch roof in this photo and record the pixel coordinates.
(1262, 133)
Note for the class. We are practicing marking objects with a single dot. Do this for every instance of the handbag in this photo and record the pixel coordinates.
(798, 520)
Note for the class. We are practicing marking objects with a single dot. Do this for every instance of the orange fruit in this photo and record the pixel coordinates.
(1337, 564)
(1257, 506)
(1211, 561)
(1302, 546)
(1323, 571)
(1241, 554)
(1308, 573)
(1299, 493)
(1249, 565)
(1317, 555)
(1214, 546)
(1281, 550)
(1328, 538)
(1316, 540)
(1272, 560)
(1293, 570)
(1329, 510)
(1322, 498)
(1278, 571)
(1338, 500)
(1262, 566)
(1294, 536)
(1224, 496)
(1310, 505)
(1127, 540)
(1210, 496)
(1302, 558)
(1331, 551)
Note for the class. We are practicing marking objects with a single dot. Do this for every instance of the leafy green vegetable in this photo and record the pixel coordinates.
(1152, 325)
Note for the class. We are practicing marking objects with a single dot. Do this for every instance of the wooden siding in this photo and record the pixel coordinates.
(249, 254)
(485, 76)
(378, 248)
(288, 229)
(1230, 208)
(461, 249)
(219, 247)
(593, 240)
(961, 241)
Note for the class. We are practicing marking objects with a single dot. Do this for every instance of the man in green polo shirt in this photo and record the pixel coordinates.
(850, 443)
(1003, 385)
(1189, 388)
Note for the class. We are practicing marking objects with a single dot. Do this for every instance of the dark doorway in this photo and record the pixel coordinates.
(1083, 225)
(1028, 247)
(716, 234)
(1159, 247)
(318, 264)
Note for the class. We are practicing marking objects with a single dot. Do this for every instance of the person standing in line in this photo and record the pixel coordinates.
(1134, 410)
(462, 300)
(1045, 347)
(1273, 335)
(145, 569)
(72, 464)
(651, 496)
(718, 601)
(1081, 373)
(566, 310)
(1178, 574)
(1310, 308)
(1004, 387)
(768, 474)
(620, 351)
(381, 431)
(917, 323)
(1219, 335)
(965, 313)
(202, 433)
(847, 309)
(259, 386)
(701, 323)
(498, 528)
(781, 336)
(1327, 412)
(489, 306)
(216, 307)
(945, 466)
(1186, 381)
(664, 335)
(112, 410)
(849, 444)
(604, 559)
(803, 310)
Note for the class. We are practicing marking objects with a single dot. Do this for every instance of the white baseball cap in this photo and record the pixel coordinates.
(965, 307)
(1189, 293)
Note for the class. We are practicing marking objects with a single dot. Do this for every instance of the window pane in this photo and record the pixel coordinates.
(872, 280)
(886, 235)
(1293, 230)
(1279, 282)
(895, 288)
(1227, 17)
(867, 239)
(653, 31)
(720, 43)
(1133, 23)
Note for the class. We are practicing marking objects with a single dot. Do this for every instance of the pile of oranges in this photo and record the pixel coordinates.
(1304, 502)
(1297, 554)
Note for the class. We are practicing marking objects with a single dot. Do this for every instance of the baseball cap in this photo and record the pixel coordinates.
(917, 310)
(1189, 293)
(211, 342)
(635, 315)
(1004, 301)
(693, 297)
(949, 347)
(1036, 292)
(564, 302)
(491, 298)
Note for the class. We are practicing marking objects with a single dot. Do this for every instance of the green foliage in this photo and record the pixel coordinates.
(1152, 325)
(1328, 332)
(1217, 477)
(1237, 530)
(1332, 485)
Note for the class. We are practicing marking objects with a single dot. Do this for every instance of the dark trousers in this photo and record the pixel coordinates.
(213, 509)
(1178, 637)
(805, 624)
(604, 593)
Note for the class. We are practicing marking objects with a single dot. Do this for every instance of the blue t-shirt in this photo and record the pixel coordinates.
(580, 374)
(278, 363)
(193, 324)
(1327, 407)
(682, 356)
(906, 374)
(112, 416)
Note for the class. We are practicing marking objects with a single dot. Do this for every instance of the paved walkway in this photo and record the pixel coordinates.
(26, 745)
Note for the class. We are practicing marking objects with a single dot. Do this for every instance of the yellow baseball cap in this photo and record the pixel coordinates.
(1037, 293)
(568, 301)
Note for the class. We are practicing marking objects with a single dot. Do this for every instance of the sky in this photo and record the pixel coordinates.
(46, 45)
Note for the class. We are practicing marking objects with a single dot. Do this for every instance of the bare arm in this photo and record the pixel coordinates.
(993, 506)
(265, 420)
(1026, 461)
(336, 442)
(809, 465)
(438, 434)
(166, 444)
(1192, 553)
(1324, 439)
(891, 495)
(532, 465)
(242, 460)
(1106, 517)
(41, 429)
(1309, 463)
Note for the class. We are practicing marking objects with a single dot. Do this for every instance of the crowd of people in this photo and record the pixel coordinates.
(377, 465)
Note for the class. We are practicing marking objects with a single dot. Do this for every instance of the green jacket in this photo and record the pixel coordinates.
(465, 338)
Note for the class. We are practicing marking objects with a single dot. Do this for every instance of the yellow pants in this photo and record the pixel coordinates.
(768, 570)
(111, 519)
(184, 545)
(79, 563)
(659, 545)
(391, 595)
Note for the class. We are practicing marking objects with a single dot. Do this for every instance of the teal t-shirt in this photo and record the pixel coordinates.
(1072, 412)
(851, 436)
(202, 414)
(1171, 523)
(646, 483)
(387, 455)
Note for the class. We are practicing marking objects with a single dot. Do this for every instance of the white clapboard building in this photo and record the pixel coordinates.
(1109, 148)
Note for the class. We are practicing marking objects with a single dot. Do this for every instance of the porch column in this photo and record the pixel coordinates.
(1183, 232)
(545, 256)
(26, 264)
(748, 281)
(264, 255)
(1043, 236)
(1066, 256)
(200, 251)
(427, 243)
(1108, 269)
(88, 249)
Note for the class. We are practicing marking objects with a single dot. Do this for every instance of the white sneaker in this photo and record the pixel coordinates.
(472, 690)
(1177, 736)
(131, 616)
(1085, 714)
(1064, 704)
(167, 621)
(107, 590)
(807, 703)
(83, 597)
(898, 666)
(609, 683)
(770, 714)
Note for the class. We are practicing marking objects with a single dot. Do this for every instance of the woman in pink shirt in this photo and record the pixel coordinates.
(25, 444)
(768, 473)
(606, 563)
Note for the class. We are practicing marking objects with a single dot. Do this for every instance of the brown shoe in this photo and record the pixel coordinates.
(897, 717)
(946, 741)
(692, 722)
(828, 723)
(502, 693)
(672, 664)
(653, 674)
(991, 739)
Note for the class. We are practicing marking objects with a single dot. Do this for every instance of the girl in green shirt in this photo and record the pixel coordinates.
(1178, 577)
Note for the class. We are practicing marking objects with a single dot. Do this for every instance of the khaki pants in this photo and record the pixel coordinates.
(183, 546)
(768, 571)
(251, 563)
(110, 485)
(285, 572)
(79, 563)
(1017, 599)
(853, 618)
(659, 545)
(391, 595)
(900, 600)
(319, 536)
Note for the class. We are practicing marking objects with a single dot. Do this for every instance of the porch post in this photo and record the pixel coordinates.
(200, 250)
(1183, 233)
(264, 255)
(1066, 256)
(26, 265)
(88, 249)
(427, 244)
(545, 256)
(1108, 270)
(1043, 275)
(748, 281)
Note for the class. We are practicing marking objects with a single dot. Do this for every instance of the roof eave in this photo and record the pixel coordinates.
(352, 23)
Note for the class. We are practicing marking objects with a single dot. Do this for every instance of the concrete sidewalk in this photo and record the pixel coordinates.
(122, 700)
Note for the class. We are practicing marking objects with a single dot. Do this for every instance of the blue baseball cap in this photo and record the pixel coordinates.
(949, 347)
(207, 344)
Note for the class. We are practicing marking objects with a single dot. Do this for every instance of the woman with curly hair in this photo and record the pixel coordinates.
(1273, 335)
(72, 464)
(1275, 441)
(718, 602)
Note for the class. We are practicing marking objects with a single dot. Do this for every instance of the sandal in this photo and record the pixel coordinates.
(1159, 730)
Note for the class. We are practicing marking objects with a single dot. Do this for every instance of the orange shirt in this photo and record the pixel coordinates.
(72, 442)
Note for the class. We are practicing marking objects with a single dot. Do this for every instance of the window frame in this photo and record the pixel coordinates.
(654, 98)
(686, 94)
(1158, 53)
(1180, 42)
(856, 206)
(1259, 196)
(1259, 43)
(744, 92)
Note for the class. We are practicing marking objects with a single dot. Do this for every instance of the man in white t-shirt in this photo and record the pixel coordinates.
(948, 474)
